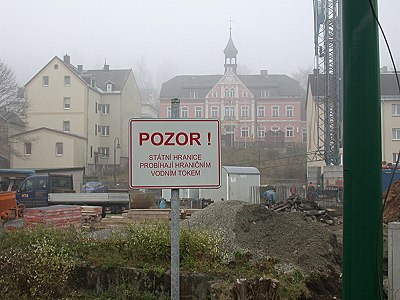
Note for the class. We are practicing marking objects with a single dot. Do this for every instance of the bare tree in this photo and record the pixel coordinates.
(301, 75)
(243, 70)
(12, 111)
(143, 75)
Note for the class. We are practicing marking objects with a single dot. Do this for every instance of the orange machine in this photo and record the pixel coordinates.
(8, 206)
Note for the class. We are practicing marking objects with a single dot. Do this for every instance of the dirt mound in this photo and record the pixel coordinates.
(291, 237)
(391, 212)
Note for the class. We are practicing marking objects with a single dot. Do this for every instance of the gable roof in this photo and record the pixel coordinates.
(70, 67)
(388, 85)
(50, 130)
(117, 77)
(179, 86)
(176, 86)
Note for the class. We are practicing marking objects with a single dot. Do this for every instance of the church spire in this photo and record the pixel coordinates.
(230, 52)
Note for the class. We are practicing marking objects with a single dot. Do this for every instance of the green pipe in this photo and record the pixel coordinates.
(362, 244)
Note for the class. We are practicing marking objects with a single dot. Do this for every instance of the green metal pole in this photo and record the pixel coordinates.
(362, 263)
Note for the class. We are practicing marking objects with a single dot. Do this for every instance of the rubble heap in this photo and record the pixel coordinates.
(295, 203)
(391, 212)
(293, 238)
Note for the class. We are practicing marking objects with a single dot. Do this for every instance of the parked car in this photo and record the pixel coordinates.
(94, 187)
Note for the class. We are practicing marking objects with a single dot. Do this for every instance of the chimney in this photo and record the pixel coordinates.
(106, 67)
(93, 82)
(264, 72)
(67, 59)
(80, 68)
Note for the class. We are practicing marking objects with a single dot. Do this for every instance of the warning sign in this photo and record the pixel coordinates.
(174, 153)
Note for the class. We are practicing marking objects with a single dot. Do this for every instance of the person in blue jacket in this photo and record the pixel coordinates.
(163, 203)
(270, 197)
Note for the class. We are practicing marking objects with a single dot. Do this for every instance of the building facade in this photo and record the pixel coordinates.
(79, 116)
(390, 116)
(262, 108)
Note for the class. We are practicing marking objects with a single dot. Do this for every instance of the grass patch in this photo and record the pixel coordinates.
(38, 263)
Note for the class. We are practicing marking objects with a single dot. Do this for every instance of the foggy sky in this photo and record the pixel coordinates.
(171, 37)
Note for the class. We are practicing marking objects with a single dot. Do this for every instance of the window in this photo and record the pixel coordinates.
(229, 111)
(169, 112)
(289, 111)
(66, 126)
(194, 94)
(214, 94)
(289, 131)
(264, 94)
(396, 134)
(304, 135)
(260, 111)
(275, 128)
(184, 112)
(27, 185)
(41, 184)
(104, 130)
(244, 112)
(67, 103)
(275, 111)
(67, 80)
(232, 93)
(104, 152)
(28, 148)
(261, 131)
(198, 112)
(45, 80)
(226, 93)
(244, 93)
(395, 156)
(95, 129)
(229, 129)
(104, 109)
(214, 111)
(395, 109)
(245, 131)
(109, 87)
(59, 149)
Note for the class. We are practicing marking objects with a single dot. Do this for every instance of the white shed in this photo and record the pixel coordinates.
(237, 183)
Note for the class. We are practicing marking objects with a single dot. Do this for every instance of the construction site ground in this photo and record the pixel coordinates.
(310, 243)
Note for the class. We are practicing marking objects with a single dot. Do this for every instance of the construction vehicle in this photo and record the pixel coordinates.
(51, 189)
(10, 179)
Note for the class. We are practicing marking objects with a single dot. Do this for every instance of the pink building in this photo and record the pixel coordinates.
(263, 108)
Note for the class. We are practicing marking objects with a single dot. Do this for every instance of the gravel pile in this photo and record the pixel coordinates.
(291, 237)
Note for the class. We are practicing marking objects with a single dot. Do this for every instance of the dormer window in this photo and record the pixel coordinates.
(109, 87)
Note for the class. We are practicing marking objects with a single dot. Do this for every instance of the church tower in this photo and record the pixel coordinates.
(230, 52)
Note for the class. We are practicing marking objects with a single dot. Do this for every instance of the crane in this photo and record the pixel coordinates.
(329, 107)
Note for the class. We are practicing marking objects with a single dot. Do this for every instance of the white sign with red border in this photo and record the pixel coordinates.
(174, 153)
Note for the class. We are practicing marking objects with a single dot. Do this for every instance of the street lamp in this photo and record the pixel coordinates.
(116, 146)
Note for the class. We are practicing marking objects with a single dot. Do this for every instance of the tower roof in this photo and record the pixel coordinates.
(230, 47)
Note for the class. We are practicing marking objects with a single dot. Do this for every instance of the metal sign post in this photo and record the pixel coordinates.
(175, 207)
(174, 153)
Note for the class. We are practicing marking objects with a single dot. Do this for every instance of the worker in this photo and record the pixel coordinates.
(163, 203)
(269, 197)
(312, 194)
(293, 190)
